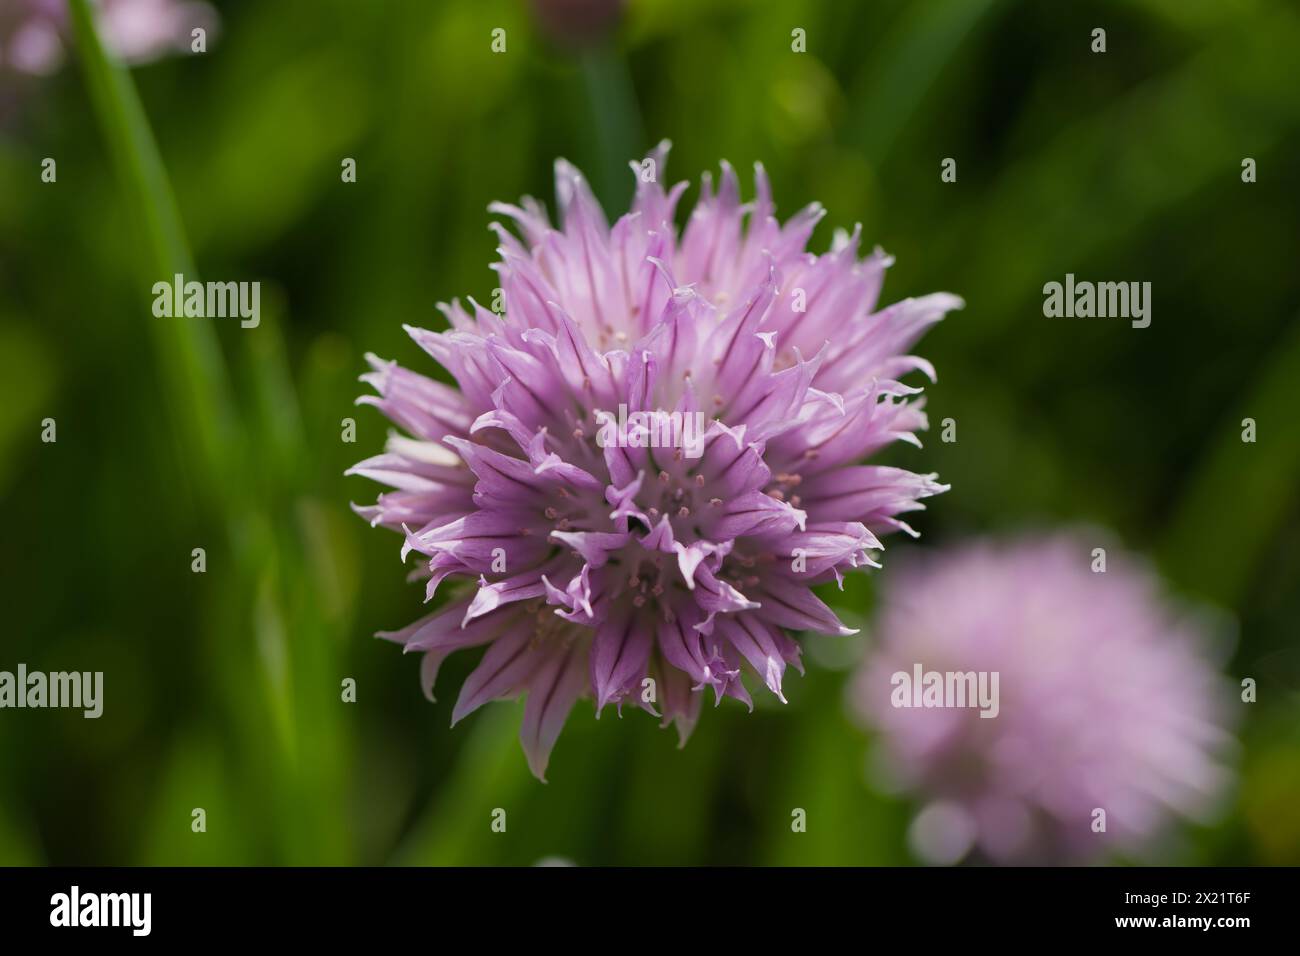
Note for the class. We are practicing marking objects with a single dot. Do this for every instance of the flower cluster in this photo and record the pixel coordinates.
(622, 570)
(1108, 701)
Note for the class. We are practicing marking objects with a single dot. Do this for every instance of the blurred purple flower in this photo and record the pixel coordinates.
(1107, 699)
(578, 23)
(35, 33)
(600, 567)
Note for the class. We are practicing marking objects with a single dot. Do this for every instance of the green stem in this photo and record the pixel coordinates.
(617, 120)
(268, 562)
(189, 352)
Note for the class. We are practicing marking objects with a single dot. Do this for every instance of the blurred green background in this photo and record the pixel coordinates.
(222, 690)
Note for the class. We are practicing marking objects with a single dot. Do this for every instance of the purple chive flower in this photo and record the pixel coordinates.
(1107, 700)
(601, 567)
(31, 35)
(35, 33)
